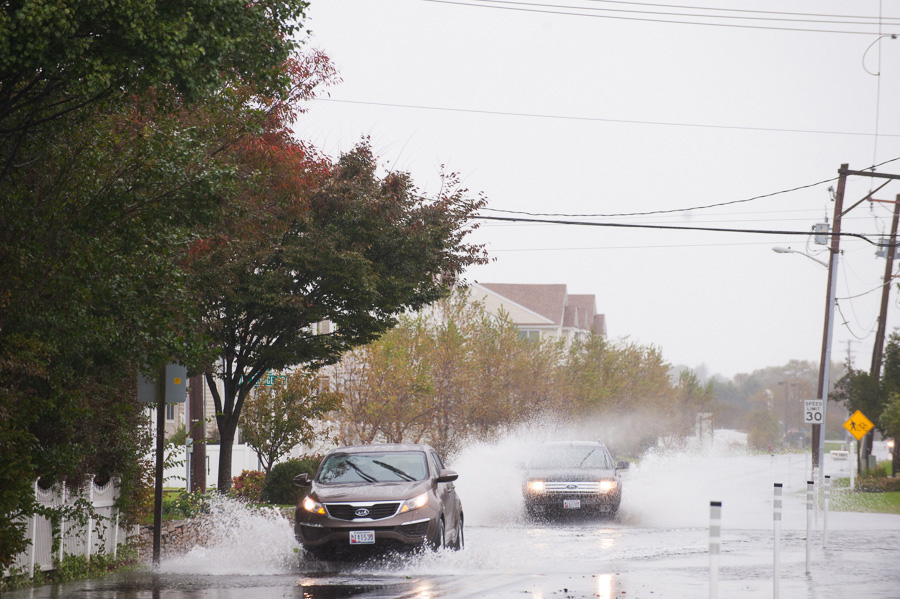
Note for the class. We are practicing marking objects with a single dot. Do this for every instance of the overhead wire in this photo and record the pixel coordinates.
(741, 10)
(824, 19)
(475, 4)
(603, 120)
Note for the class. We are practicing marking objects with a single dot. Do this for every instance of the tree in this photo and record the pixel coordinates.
(58, 57)
(332, 242)
(113, 122)
(282, 412)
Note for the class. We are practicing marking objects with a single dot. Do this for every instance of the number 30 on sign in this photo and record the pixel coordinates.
(813, 411)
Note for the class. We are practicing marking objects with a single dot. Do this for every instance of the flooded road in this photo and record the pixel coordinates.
(656, 548)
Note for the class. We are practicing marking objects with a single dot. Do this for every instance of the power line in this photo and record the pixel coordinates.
(603, 120)
(788, 18)
(669, 211)
(741, 10)
(667, 227)
(648, 20)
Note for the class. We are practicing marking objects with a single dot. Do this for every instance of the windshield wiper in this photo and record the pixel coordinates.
(395, 470)
(366, 477)
(580, 464)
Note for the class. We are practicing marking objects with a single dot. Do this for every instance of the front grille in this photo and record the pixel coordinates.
(572, 488)
(347, 511)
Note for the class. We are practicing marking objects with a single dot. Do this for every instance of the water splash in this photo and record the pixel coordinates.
(242, 540)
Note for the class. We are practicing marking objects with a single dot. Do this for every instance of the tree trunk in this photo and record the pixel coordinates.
(226, 442)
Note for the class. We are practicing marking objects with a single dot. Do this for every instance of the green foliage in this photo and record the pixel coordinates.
(74, 567)
(186, 504)
(279, 486)
(282, 412)
(249, 485)
(115, 119)
(334, 242)
(889, 421)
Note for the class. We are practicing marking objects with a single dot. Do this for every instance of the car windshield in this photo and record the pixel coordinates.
(374, 467)
(572, 456)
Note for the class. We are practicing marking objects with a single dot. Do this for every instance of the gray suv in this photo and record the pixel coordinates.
(378, 497)
(572, 477)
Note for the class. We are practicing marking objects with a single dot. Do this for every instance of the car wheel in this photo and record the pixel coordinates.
(439, 540)
(460, 542)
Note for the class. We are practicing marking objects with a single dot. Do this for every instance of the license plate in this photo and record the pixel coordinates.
(362, 537)
(572, 504)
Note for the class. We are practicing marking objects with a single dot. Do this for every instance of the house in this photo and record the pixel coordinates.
(542, 311)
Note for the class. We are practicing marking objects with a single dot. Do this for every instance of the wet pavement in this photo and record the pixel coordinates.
(657, 548)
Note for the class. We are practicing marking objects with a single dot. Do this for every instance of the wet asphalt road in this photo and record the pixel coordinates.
(657, 548)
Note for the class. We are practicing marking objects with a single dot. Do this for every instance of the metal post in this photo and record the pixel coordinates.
(160, 460)
(715, 543)
(777, 517)
(825, 521)
(34, 518)
(853, 466)
(809, 510)
(815, 479)
(62, 524)
(90, 526)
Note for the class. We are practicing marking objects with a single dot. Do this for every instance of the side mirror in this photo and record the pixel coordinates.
(622, 465)
(447, 476)
(301, 480)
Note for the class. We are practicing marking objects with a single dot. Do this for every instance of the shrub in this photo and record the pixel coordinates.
(279, 487)
(186, 505)
(249, 485)
(872, 484)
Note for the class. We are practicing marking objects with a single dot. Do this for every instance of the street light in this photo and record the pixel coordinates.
(781, 250)
(818, 432)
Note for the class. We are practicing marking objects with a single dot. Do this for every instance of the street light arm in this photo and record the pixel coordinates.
(781, 250)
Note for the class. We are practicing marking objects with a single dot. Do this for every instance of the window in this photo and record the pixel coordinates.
(529, 335)
(170, 411)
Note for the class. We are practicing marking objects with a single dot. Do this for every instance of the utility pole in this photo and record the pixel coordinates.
(197, 431)
(844, 172)
(818, 436)
(878, 349)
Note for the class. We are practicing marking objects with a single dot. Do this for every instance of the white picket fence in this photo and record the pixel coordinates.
(100, 533)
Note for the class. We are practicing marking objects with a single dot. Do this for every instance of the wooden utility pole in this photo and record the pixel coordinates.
(845, 172)
(818, 436)
(197, 431)
(878, 349)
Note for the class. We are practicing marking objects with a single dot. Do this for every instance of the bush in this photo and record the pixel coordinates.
(279, 486)
(249, 485)
(185, 505)
(874, 484)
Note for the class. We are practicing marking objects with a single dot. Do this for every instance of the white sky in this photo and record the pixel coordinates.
(659, 116)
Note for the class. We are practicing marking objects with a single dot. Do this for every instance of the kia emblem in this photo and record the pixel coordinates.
(571, 486)
(362, 512)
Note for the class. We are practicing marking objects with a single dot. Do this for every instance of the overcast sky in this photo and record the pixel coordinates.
(607, 113)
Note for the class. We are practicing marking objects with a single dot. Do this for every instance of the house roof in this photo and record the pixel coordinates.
(548, 301)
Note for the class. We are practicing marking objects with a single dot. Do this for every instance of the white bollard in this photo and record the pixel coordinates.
(825, 521)
(809, 512)
(777, 522)
(715, 543)
(815, 480)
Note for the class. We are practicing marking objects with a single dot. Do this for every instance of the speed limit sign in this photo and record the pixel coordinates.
(813, 411)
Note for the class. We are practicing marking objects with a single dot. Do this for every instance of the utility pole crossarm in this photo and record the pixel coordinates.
(848, 173)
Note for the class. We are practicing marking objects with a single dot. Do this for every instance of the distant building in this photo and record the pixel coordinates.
(542, 311)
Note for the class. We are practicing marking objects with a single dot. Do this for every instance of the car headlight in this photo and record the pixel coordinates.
(414, 503)
(536, 486)
(607, 485)
(313, 506)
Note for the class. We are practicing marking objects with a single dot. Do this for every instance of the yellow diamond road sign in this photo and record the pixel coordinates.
(858, 425)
